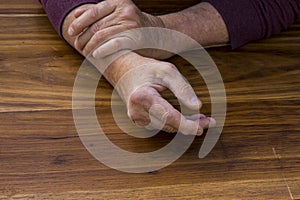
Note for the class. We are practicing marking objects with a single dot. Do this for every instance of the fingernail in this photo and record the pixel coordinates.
(200, 131)
(95, 54)
(70, 31)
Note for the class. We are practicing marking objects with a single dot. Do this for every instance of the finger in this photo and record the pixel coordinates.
(205, 122)
(90, 16)
(80, 11)
(182, 89)
(100, 37)
(141, 117)
(165, 112)
(158, 121)
(113, 46)
(195, 116)
(89, 32)
(147, 106)
(156, 124)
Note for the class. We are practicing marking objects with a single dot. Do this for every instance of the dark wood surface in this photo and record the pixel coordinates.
(42, 157)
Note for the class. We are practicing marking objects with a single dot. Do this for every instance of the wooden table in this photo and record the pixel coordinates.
(42, 157)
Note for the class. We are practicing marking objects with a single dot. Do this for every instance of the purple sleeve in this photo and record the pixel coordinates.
(250, 20)
(57, 10)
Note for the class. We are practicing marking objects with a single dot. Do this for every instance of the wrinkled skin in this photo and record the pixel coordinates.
(138, 80)
(96, 23)
(140, 88)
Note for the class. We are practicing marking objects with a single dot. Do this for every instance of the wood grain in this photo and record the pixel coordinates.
(42, 157)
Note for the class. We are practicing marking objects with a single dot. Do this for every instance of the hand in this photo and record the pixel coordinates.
(96, 23)
(140, 88)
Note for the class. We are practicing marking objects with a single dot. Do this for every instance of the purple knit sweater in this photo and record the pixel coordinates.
(246, 20)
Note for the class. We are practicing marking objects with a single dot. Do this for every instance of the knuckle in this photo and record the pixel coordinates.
(94, 12)
(132, 24)
(171, 119)
(141, 123)
(95, 28)
(105, 5)
(117, 43)
(170, 66)
(138, 97)
(167, 69)
(98, 37)
(130, 11)
(87, 49)
(184, 88)
(137, 118)
(76, 24)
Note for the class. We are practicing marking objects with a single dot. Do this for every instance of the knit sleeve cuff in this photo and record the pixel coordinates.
(241, 20)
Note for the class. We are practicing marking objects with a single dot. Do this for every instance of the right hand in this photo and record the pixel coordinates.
(140, 88)
(96, 23)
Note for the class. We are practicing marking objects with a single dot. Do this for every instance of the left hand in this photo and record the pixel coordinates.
(141, 85)
(96, 23)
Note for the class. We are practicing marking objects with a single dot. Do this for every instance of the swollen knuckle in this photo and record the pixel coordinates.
(166, 69)
(184, 88)
(142, 122)
(137, 118)
(170, 66)
(138, 97)
(94, 28)
(117, 43)
(130, 11)
(76, 24)
(105, 5)
(94, 12)
(98, 37)
(133, 24)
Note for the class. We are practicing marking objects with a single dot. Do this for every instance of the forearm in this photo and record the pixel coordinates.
(212, 22)
(202, 22)
(139, 81)
(237, 22)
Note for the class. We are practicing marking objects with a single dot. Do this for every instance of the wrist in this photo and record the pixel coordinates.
(201, 22)
(124, 72)
(154, 21)
(118, 68)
